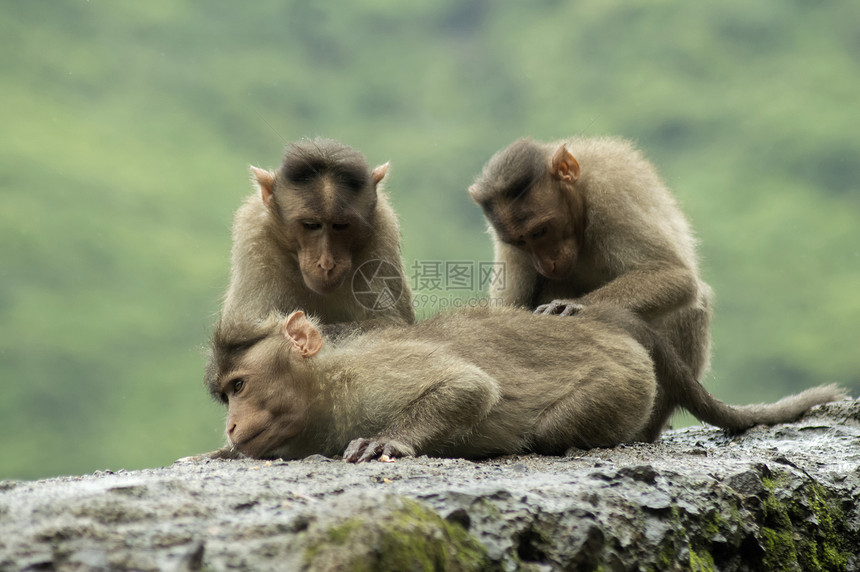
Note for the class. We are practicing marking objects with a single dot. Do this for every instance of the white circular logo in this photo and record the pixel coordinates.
(377, 285)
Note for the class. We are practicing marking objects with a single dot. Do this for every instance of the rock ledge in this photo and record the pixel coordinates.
(782, 497)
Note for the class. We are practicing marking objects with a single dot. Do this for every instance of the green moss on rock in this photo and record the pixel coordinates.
(804, 531)
(780, 552)
(702, 562)
(410, 537)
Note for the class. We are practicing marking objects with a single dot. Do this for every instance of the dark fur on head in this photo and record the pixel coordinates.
(230, 340)
(511, 172)
(311, 159)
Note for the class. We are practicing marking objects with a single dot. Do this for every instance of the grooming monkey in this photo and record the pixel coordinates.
(588, 220)
(301, 240)
(472, 383)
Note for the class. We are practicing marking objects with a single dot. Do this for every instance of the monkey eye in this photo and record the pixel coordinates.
(539, 233)
(311, 225)
(237, 385)
(340, 225)
(518, 242)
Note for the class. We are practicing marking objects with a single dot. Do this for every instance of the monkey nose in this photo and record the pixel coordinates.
(326, 264)
(546, 267)
(230, 430)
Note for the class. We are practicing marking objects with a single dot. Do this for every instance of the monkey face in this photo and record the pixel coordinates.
(551, 247)
(553, 254)
(257, 425)
(528, 193)
(325, 222)
(326, 249)
(265, 395)
(541, 225)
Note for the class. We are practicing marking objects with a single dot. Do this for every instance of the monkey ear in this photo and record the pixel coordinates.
(564, 165)
(474, 191)
(266, 181)
(304, 335)
(379, 173)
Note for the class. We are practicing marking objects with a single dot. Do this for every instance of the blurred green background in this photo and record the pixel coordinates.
(128, 128)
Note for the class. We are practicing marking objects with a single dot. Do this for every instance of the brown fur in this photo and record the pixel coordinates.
(471, 383)
(677, 387)
(280, 264)
(588, 220)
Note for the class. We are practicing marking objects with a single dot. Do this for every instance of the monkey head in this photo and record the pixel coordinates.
(528, 194)
(322, 202)
(266, 385)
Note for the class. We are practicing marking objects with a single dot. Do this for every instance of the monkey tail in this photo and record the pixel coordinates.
(709, 409)
(693, 397)
(678, 387)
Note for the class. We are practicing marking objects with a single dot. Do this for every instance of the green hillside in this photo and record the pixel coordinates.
(128, 131)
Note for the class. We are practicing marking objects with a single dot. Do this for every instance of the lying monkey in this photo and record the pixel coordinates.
(472, 383)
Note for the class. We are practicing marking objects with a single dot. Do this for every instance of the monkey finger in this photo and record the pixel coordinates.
(371, 452)
(355, 449)
(550, 309)
(575, 452)
(570, 309)
(390, 452)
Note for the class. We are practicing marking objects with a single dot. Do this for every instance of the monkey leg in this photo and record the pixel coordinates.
(608, 411)
(689, 332)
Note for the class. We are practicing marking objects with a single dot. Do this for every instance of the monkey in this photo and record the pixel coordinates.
(317, 231)
(454, 385)
(588, 220)
(471, 383)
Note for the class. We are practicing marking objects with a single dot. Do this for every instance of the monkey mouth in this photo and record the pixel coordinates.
(326, 285)
(265, 442)
(556, 271)
(557, 274)
(243, 444)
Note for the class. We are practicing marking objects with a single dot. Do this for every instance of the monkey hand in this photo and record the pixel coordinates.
(382, 448)
(226, 452)
(559, 308)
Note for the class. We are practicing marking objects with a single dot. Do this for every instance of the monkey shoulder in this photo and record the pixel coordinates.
(388, 369)
(250, 217)
(628, 201)
(628, 229)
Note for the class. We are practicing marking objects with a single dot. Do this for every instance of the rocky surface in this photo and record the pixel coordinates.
(780, 498)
